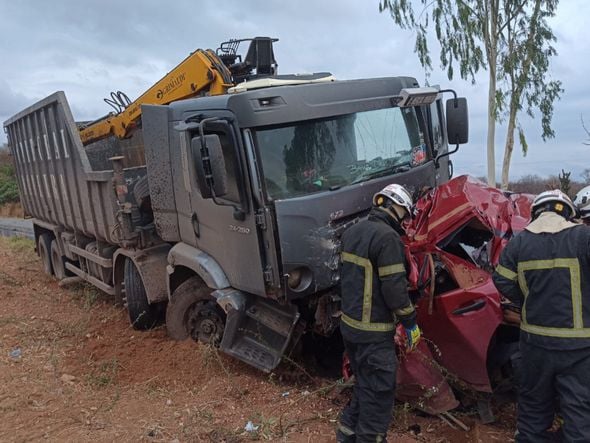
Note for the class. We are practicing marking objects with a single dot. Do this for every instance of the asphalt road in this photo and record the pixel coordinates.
(16, 227)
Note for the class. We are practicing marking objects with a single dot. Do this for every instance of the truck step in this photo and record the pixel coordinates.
(273, 317)
(259, 333)
(250, 351)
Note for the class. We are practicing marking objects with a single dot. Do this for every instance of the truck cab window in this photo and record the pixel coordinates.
(319, 155)
(437, 128)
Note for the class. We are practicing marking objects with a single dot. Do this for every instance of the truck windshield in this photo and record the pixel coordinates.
(320, 155)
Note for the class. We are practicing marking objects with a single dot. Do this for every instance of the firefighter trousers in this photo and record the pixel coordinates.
(550, 375)
(368, 415)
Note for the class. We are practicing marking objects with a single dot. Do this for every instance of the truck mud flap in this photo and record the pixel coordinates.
(259, 332)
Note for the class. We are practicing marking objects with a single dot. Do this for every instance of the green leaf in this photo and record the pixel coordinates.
(523, 143)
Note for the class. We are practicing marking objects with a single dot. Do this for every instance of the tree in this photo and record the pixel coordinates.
(565, 183)
(516, 42)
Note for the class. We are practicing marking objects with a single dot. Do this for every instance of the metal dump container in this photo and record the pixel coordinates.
(64, 183)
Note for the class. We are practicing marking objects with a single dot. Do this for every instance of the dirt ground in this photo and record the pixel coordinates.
(72, 369)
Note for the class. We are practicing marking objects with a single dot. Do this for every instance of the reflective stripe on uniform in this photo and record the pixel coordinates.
(367, 326)
(365, 323)
(506, 273)
(556, 332)
(368, 286)
(405, 311)
(573, 265)
(384, 271)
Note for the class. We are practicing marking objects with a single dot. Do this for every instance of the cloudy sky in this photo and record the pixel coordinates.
(88, 49)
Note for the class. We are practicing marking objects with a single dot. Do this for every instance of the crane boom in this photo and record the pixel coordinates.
(203, 72)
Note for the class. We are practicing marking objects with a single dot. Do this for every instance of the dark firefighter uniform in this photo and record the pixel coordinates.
(546, 270)
(374, 287)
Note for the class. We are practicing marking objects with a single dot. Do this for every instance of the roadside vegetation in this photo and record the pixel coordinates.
(8, 186)
(535, 184)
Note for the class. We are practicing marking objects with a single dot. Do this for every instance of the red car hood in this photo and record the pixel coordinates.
(449, 206)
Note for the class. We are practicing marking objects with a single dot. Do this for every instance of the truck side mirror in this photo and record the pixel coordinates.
(209, 164)
(457, 121)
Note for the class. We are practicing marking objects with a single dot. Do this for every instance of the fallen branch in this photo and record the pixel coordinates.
(456, 420)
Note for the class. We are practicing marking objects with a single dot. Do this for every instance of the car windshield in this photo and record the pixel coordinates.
(320, 155)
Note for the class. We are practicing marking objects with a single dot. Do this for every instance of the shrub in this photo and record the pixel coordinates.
(8, 185)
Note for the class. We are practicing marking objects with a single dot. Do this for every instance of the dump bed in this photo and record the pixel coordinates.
(61, 182)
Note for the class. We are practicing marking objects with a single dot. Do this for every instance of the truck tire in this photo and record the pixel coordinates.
(44, 248)
(58, 261)
(193, 312)
(142, 314)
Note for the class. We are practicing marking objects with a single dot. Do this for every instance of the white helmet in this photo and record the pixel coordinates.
(555, 201)
(582, 202)
(396, 194)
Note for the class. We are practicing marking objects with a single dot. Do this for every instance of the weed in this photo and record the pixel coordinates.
(267, 428)
(20, 244)
(76, 329)
(153, 388)
(9, 321)
(212, 359)
(113, 402)
(205, 414)
(87, 295)
(8, 280)
(104, 373)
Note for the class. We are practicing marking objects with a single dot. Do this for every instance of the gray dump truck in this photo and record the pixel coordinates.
(225, 217)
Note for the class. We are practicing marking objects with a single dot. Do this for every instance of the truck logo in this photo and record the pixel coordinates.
(239, 229)
(171, 86)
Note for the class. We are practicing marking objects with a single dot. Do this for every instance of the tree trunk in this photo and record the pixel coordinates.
(492, 53)
(508, 148)
(492, 122)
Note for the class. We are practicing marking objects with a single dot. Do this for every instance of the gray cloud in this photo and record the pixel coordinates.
(88, 49)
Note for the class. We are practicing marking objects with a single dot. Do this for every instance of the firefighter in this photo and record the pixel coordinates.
(582, 202)
(545, 270)
(374, 294)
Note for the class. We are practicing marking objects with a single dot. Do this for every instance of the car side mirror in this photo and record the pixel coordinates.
(457, 121)
(209, 164)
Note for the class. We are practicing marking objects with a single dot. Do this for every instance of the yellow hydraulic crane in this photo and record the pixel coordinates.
(204, 72)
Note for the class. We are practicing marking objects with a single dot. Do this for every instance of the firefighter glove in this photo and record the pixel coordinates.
(413, 336)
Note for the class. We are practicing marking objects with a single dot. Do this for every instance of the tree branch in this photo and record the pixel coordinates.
(508, 19)
(585, 130)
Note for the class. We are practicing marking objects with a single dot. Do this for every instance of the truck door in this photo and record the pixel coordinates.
(225, 227)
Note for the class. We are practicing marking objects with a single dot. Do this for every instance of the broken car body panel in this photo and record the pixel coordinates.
(457, 234)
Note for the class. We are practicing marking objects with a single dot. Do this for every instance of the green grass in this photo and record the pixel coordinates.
(19, 244)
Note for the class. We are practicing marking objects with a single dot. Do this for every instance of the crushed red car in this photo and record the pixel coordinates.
(453, 244)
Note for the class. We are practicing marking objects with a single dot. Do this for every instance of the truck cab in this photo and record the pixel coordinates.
(254, 188)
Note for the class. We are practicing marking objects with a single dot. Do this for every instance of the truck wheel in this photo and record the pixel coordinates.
(193, 312)
(58, 261)
(142, 314)
(43, 248)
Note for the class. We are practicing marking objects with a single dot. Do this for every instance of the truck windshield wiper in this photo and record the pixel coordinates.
(390, 170)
